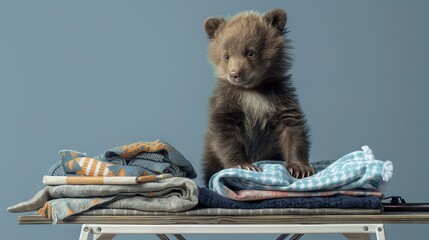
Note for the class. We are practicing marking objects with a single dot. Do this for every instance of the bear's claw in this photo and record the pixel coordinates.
(299, 170)
(249, 167)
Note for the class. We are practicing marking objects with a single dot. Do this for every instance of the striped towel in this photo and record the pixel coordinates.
(358, 169)
(75, 162)
(136, 159)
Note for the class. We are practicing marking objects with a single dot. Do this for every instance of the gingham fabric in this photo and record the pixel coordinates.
(355, 170)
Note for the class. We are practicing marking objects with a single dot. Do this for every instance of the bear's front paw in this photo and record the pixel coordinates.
(300, 170)
(249, 167)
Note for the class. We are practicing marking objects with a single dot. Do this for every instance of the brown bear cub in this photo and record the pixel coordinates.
(254, 111)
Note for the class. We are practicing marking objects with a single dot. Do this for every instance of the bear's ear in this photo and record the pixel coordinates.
(277, 18)
(211, 25)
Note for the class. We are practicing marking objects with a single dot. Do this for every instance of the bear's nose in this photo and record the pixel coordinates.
(235, 76)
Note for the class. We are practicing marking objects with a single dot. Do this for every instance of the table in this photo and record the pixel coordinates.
(353, 227)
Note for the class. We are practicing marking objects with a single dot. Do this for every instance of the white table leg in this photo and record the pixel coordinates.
(84, 232)
(380, 233)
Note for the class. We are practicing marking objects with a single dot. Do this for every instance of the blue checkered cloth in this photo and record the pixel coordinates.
(356, 170)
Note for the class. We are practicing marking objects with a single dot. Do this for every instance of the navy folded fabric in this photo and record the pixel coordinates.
(210, 199)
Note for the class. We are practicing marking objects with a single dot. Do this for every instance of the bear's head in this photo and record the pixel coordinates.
(248, 48)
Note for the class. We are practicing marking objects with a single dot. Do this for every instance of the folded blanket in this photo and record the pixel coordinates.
(210, 199)
(136, 159)
(58, 202)
(355, 170)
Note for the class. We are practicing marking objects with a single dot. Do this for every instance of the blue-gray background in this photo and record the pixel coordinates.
(94, 75)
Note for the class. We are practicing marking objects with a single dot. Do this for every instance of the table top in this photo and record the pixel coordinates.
(393, 217)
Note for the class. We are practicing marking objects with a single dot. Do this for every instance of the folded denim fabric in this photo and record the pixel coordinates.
(136, 159)
(210, 199)
(356, 170)
(58, 202)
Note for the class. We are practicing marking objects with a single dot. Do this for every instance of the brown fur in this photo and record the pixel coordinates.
(254, 112)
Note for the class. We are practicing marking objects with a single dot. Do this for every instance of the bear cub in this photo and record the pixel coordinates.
(254, 111)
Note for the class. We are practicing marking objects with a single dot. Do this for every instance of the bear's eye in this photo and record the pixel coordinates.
(250, 53)
(226, 57)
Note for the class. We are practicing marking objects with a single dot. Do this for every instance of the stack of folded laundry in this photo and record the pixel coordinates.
(153, 178)
(143, 176)
(349, 185)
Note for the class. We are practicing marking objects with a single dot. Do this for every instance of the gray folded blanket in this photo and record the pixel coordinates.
(58, 202)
